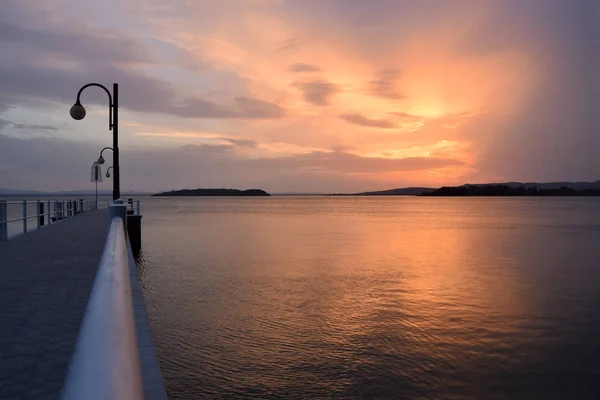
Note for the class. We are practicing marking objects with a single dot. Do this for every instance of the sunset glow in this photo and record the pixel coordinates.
(401, 93)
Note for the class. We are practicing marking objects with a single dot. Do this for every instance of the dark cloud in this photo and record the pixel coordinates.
(554, 132)
(300, 67)
(361, 120)
(384, 86)
(93, 47)
(137, 92)
(38, 67)
(317, 92)
(66, 166)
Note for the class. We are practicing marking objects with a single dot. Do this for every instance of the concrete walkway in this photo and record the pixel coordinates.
(45, 282)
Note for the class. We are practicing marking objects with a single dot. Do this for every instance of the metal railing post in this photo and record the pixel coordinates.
(49, 214)
(138, 207)
(39, 207)
(25, 217)
(62, 210)
(3, 221)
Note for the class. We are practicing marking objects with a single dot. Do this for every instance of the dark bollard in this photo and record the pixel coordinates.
(130, 210)
(41, 213)
(134, 231)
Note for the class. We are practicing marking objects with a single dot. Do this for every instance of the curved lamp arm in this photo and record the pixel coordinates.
(106, 148)
(101, 159)
(110, 102)
(108, 172)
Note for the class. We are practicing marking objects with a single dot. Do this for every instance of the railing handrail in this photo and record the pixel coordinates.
(105, 364)
(63, 209)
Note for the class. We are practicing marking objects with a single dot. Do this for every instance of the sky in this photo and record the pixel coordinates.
(301, 95)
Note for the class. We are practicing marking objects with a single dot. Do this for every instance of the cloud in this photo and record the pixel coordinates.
(300, 67)
(138, 92)
(212, 148)
(408, 121)
(4, 123)
(397, 120)
(240, 142)
(52, 62)
(533, 65)
(255, 108)
(351, 163)
(361, 120)
(317, 92)
(76, 43)
(287, 45)
(66, 166)
(384, 85)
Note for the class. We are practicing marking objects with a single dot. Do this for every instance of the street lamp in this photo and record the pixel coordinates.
(108, 172)
(101, 159)
(78, 113)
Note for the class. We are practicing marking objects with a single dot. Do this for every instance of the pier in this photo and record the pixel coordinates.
(67, 318)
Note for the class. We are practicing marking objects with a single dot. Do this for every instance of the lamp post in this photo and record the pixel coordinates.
(101, 159)
(108, 172)
(78, 113)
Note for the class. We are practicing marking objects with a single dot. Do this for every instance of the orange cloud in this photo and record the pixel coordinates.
(422, 93)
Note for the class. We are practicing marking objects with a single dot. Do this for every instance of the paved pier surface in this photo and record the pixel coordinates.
(45, 282)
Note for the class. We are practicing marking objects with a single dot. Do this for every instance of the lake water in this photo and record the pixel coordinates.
(374, 297)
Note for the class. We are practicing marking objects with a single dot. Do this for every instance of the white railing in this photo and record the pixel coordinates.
(45, 212)
(105, 364)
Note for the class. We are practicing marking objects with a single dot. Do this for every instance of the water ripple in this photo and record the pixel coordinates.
(378, 299)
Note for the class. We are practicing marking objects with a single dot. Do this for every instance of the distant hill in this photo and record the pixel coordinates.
(13, 192)
(514, 190)
(547, 185)
(545, 188)
(214, 192)
(409, 191)
(398, 192)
